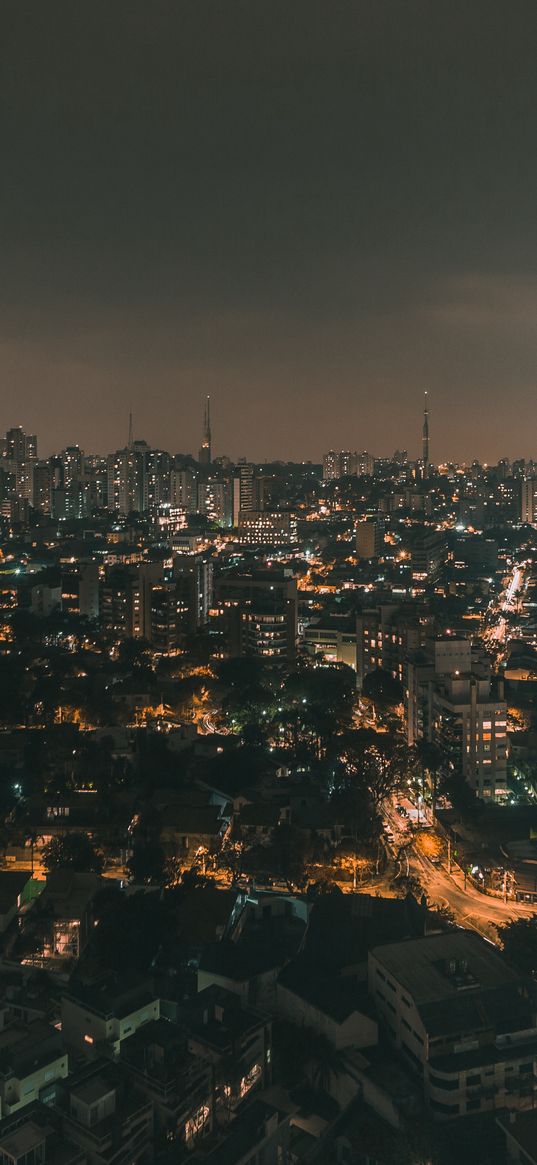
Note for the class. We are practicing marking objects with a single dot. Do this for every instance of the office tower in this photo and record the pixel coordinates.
(205, 454)
(528, 501)
(425, 438)
(243, 491)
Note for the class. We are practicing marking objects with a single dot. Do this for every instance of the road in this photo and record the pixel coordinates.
(469, 906)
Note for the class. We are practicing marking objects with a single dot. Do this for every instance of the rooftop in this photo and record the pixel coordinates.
(425, 966)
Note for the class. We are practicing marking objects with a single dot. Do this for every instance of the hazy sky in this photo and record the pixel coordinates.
(311, 209)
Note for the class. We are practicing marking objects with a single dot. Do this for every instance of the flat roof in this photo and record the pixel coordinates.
(421, 965)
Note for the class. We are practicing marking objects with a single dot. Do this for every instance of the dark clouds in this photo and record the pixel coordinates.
(311, 209)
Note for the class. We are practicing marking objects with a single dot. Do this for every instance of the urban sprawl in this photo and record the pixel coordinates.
(268, 808)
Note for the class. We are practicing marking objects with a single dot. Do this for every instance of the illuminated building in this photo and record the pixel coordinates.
(120, 602)
(385, 636)
(169, 617)
(451, 702)
(19, 446)
(243, 491)
(214, 500)
(528, 501)
(183, 490)
(193, 576)
(72, 459)
(258, 613)
(347, 464)
(266, 528)
(462, 1019)
(125, 481)
(42, 486)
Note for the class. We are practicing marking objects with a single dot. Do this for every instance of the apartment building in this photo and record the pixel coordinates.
(464, 1021)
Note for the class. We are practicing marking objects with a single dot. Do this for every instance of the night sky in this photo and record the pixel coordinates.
(311, 209)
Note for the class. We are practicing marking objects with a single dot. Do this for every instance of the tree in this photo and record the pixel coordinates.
(382, 689)
(326, 1062)
(147, 863)
(519, 943)
(131, 931)
(428, 759)
(72, 851)
(375, 761)
(289, 851)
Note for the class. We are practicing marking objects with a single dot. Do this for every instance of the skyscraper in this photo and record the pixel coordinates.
(205, 456)
(528, 500)
(425, 454)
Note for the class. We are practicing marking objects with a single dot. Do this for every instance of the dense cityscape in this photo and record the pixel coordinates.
(268, 582)
(268, 804)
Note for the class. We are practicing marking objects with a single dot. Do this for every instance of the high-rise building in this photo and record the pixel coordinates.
(214, 500)
(370, 538)
(528, 501)
(258, 613)
(169, 617)
(157, 472)
(331, 466)
(205, 453)
(120, 602)
(126, 481)
(193, 575)
(72, 459)
(385, 636)
(243, 490)
(20, 446)
(451, 701)
(347, 464)
(42, 486)
(183, 494)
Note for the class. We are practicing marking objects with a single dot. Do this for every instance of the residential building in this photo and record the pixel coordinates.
(258, 613)
(452, 702)
(96, 1019)
(462, 1018)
